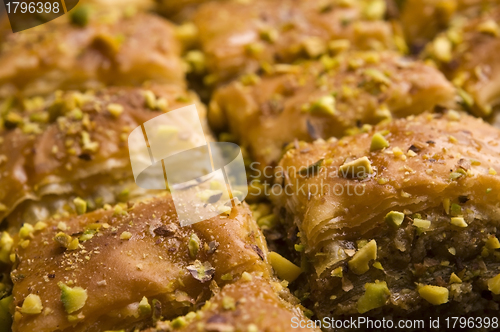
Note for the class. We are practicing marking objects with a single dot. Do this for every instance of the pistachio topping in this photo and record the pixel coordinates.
(194, 245)
(73, 299)
(494, 284)
(421, 224)
(32, 305)
(201, 272)
(324, 106)
(394, 219)
(434, 294)
(359, 263)
(458, 221)
(115, 109)
(80, 205)
(284, 268)
(378, 142)
(375, 296)
(144, 306)
(358, 168)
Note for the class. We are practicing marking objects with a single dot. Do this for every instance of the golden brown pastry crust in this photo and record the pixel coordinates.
(239, 37)
(117, 272)
(466, 54)
(422, 20)
(70, 144)
(368, 87)
(257, 305)
(435, 168)
(113, 48)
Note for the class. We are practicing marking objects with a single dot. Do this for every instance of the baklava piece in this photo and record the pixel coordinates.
(327, 98)
(467, 55)
(130, 266)
(401, 221)
(241, 37)
(69, 152)
(90, 48)
(422, 20)
(250, 304)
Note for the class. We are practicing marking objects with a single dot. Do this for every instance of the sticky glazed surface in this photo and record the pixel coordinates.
(269, 112)
(423, 20)
(435, 169)
(239, 37)
(116, 271)
(258, 305)
(466, 54)
(71, 144)
(105, 47)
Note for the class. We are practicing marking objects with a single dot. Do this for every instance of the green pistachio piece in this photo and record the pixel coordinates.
(394, 219)
(73, 299)
(375, 296)
(359, 262)
(434, 294)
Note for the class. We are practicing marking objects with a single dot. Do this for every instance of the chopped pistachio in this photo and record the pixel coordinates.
(150, 99)
(179, 322)
(374, 10)
(339, 45)
(73, 299)
(196, 61)
(227, 276)
(269, 35)
(144, 306)
(434, 294)
(194, 245)
(467, 99)
(324, 105)
(446, 205)
(359, 263)
(39, 226)
(73, 244)
(80, 15)
(458, 221)
(314, 46)
(375, 296)
(494, 284)
(492, 171)
(299, 247)
(228, 303)
(115, 109)
(442, 49)
(80, 205)
(378, 142)
(394, 219)
(125, 235)
(421, 224)
(246, 276)
(201, 272)
(492, 242)
(454, 279)
(254, 49)
(6, 243)
(377, 76)
(456, 210)
(63, 239)
(283, 267)
(358, 168)
(489, 27)
(32, 305)
(338, 272)
(378, 266)
(26, 231)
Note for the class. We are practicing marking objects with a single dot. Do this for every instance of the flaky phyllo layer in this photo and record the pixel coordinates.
(374, 207)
